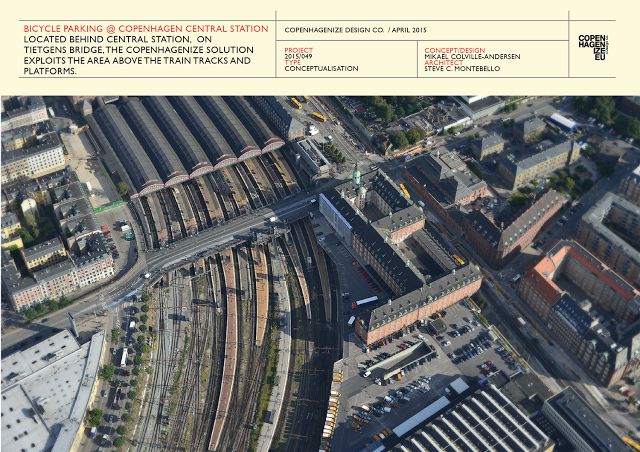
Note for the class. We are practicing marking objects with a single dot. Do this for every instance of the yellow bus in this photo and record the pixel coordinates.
(319, 117)
(296, 103)
(405, 191)
(457, 259)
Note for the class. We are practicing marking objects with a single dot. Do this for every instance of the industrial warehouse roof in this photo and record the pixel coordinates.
(587, 424)
(203, 129)
(261, 132)
(153, 141)
(114, 134)
(46, 390)
(178, 134)
(236, 134)
(484, 420)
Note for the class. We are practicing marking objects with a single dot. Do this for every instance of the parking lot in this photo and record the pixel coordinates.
(124, 250)
(471, 352)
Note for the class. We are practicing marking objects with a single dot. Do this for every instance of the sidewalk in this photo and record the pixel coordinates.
(284, 353)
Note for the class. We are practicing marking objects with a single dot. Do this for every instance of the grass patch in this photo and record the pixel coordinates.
(266, 389)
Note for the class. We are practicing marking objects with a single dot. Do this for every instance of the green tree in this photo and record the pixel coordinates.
(144, 348)
(53, 305)
(569, 183)
(128, 406)
(121, 430)
(41, 308)
(25, 235)
(30, 313)
(517, 200)
(95, 417)
(63, 301)
(399, 139)
(133, 382)
(137, 360)
(126, 417)
(107, 371)
(123, 188)
(118, 441)
(115, 334)
(145, 297)
(144, 318)
(415, 134)
(132, 393)
(135, 371)
(142, 328)
(144, 308)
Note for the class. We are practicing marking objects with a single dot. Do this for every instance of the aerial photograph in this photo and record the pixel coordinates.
(320, 273)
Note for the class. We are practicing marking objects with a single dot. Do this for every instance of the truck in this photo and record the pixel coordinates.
(357, 304)
(123, 360)
(125, 228)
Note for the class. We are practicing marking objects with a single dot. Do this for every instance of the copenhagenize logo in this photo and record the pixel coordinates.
(598, 43)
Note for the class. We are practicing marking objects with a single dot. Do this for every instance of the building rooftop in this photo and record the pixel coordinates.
(595, 216)
(489, 141)
(177, 133)
(43, 249)
(46, 390)
(447, 170)
(563, 249)
(529, 124)
(9, 219)
(54, 271)
(203, 129)
(571, 312)
(588, 425)
(45, 143)
(154, 142)
(236, 134)
(281, 111)
(527, 163)
(479, 418)
(113, 133)
(530, 216)
(257, 127)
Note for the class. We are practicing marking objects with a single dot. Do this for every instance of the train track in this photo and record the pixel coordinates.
(166, 360)
(144, 202)
(312, 355)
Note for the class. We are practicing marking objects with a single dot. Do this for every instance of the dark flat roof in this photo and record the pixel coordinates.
(585, 421)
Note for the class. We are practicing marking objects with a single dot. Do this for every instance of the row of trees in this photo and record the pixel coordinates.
(333, 153)
(46, 307)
